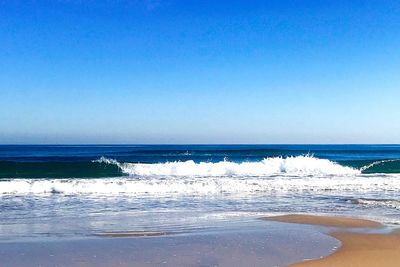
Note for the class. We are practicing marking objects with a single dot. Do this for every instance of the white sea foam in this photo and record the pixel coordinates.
(388, 203)
(163, 186)
(300, 165)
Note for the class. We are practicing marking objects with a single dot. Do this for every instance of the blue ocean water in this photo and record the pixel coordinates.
(66, 191)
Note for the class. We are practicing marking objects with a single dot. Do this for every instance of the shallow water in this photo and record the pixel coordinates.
(263, 244)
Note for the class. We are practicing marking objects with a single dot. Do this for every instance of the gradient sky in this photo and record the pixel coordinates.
(199, 71)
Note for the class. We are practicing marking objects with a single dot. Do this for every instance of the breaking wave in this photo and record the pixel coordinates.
(299, 166)
(380, 166)
(271, 175)
(387, 203)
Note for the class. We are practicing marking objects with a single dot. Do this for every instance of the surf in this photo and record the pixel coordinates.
(299, 166)
(161, 186)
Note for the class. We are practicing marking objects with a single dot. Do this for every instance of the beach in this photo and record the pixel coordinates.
(362, 250)
(357, 249)
(198, 205)
(287, 240)
(259, 244)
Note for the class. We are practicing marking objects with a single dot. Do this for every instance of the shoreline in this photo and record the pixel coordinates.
(258, 244)
(291, 240)
(357, 249)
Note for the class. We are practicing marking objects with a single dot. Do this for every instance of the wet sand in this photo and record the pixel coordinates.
(365, 250)
(331, 221)
(357, 249)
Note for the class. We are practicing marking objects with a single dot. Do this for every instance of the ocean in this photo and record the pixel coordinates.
(78, 191)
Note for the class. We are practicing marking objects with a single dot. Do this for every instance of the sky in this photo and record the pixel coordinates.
(149, 71)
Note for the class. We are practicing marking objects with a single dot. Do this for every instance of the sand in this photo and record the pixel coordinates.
(358, 249)
(365, 250)
(332, 221)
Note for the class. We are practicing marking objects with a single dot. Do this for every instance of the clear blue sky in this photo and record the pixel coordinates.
(199, 71)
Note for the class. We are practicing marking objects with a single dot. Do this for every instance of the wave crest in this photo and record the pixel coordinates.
(376, 163)
(299, 166)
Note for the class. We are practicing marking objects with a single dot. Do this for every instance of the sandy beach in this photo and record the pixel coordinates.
(358, 249)
(365, 250)
(330, 221)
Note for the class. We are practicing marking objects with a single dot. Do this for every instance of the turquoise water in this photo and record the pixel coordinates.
(80, 161)
(77, 191)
